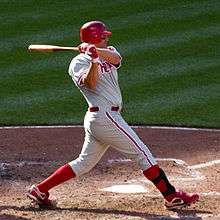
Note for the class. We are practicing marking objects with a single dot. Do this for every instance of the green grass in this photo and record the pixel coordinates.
(170, 73)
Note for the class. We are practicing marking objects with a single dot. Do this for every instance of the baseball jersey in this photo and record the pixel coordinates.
(107, 92)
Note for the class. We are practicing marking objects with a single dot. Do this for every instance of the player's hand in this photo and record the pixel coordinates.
(89, 49)
(83, 47)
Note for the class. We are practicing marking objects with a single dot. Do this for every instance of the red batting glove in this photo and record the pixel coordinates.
(83, 47)
(91, 49)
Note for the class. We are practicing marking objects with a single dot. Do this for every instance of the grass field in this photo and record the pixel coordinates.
(171, 60)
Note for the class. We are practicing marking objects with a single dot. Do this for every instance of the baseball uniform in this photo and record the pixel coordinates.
(105, 126)
(103, 123)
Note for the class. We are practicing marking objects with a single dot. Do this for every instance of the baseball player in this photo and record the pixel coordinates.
(95, 72)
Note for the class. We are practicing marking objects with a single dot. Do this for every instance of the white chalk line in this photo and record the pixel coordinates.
(81, 126)
(177, 161)
(27, 163)
(213, 193)
(5, 165)
(203, 165)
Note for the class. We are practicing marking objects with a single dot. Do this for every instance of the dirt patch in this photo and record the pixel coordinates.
(28, 155)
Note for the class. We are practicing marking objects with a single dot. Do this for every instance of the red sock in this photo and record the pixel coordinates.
(61, 175)
(157, 176)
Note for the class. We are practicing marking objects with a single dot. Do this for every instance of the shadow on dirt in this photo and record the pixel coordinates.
(182, 214)
(192, 214)
(11, 217)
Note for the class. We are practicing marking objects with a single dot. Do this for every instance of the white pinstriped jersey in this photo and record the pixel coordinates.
(107, 92)
(105, 127)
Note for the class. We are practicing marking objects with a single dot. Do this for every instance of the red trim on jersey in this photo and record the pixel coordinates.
(129, 136)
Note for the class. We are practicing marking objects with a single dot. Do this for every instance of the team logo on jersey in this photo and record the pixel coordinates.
(105, 67)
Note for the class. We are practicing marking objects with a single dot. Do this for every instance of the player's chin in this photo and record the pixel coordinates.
(105, 42)
(103, 46)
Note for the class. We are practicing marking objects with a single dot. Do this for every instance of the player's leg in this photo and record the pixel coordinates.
(91, 153)
(39, 193)
(173, 198)
(128, 142)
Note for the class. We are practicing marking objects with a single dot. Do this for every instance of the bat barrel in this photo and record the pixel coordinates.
(50, 48)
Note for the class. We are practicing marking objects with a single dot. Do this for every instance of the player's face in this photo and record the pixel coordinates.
(104, 42)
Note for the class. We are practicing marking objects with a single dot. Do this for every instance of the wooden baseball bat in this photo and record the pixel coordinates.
(50, 48)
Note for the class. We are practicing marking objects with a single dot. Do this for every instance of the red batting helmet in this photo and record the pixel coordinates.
(92, 32)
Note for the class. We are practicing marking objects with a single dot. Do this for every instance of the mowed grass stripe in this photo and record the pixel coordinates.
(157, 104)
(39, 37)
(43, 33)
(60, 91)
(190, 107)
(45, 114)
(173, 60)
(59, 75)
(193, 115)
(36, 97)
(128, 49)
(172, 67)
(8, 15)
(169, 40)
(61, 32)
(177, 12)
(144, 74)
(38, 9)
(174, 13)
(151, 87)
(49, 63)
(167, 101)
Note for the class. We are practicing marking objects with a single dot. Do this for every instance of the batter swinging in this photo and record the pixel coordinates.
(94, 72)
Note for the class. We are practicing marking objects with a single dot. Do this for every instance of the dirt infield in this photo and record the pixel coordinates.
(115, 188)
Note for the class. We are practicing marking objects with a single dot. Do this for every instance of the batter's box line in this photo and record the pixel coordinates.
(4, 166)
(192, 170)
(177, 161)
(195, 175)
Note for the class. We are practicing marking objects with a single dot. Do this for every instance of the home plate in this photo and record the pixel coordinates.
(131, 188)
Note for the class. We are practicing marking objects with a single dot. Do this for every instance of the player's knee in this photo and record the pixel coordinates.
(145, 163)
(81, 166)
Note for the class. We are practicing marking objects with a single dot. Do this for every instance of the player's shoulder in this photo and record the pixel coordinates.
(112, 48)
(79, 63)
(81, 58)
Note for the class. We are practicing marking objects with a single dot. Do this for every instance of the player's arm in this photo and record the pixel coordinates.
(91, 77)
(109, 55)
